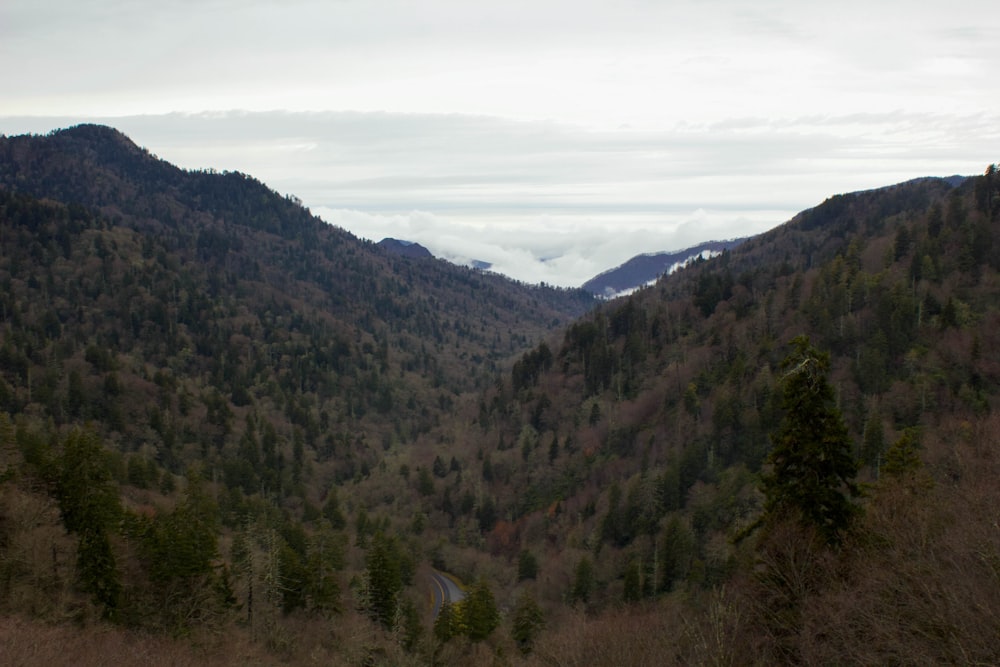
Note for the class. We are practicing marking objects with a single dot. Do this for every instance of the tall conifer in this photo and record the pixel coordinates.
(812, 471)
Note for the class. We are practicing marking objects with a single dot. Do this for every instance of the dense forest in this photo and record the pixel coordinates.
(231, 433)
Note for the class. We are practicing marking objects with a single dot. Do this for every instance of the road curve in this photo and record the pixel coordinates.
(444, 589)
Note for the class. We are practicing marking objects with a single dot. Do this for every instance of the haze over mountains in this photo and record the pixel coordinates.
(641, 270)
(253, 436)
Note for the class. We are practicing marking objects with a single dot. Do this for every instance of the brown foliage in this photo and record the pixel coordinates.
(916, 585)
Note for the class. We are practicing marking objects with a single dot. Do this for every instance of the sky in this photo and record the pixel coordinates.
(554, 139)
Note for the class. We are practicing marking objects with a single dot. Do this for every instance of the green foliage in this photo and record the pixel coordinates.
(486, 514)
(873, 440)
(413, 629)
(527, 565)
(676, 553)
(811, 476)
(183, 544)
(425, 483)
(691, 402)
(439, 468)
(383, 579)
(85, 486)
(90, 507)
(632, 581)
(332, 511)
(445, 625)
(711, 289)
(583, 581)
(475, 616)
(527, 621)
(97, 570)
(213, 321)
(527, 370)
(903, 458)
(479, 611)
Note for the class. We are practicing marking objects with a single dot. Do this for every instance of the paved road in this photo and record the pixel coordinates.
(444, 589)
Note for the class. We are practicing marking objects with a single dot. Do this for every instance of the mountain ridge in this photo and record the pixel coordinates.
(405, 248)
(270, 414)
(646, 268)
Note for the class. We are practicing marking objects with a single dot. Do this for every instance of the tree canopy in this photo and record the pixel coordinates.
(812, 470)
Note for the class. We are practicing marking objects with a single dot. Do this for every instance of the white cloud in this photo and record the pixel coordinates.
(547, 137)
(591, 62)
(565, 250)
(555, 202)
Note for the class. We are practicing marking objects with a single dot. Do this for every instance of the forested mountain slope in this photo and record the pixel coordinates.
(646, 428)
(158, 324)
(220, 417)
(212, 288)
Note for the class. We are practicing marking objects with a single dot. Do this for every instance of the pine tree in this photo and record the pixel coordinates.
(678, 552)
(183, 544)
(98, 570)
(412, 629)
(583, 581)
(633, 581)
(527, 565)
(902, 458)
(443, 624)
(326, 554)
(528, 621)
(384, 580)
(480, 611)
(89, 504)
(332, 512)
(812, 470)
(85, 488)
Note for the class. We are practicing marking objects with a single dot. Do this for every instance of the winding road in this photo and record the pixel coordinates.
(444, 589)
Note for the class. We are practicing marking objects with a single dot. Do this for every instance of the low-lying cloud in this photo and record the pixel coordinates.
(552, 202)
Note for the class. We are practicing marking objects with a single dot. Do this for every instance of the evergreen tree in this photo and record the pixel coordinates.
(480, 612)
(413, 630)
(384, 580)
(444, 623)
(527, 565)
(583, 581)
(811, 475)
(332, 512)
(85, 487)
(183, 544)
(528, 621)
(98, 570)
(677, 554)
(633, 581)
(325, 555)
(902, 458)
(873, 440)
(89, 504)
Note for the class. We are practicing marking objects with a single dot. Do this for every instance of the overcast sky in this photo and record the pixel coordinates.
(555, 138)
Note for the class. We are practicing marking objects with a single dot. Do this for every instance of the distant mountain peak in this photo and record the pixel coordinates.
(648, 267)
(99, 137)
(93, 132)
(404, 248)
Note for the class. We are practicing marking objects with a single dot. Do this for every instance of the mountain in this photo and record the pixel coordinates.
(645, 269)
(230, 432)
(405, 248)
(216, 279)
(647, 427)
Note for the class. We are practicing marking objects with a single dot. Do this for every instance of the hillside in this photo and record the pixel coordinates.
(214, 275)
(198, 321)
(224, 421)
(647, 426)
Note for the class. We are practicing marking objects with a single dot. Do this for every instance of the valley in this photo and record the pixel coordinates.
(237, 434)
